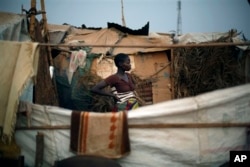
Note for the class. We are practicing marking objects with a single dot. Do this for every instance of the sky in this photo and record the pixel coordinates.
(196, 15)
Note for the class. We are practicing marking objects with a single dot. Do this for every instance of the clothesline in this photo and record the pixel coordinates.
(150, 46)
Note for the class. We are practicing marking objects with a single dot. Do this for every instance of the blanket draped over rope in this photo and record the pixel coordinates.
(18, 64)
(99, 134)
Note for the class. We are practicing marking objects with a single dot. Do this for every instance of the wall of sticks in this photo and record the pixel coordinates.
(198, 70)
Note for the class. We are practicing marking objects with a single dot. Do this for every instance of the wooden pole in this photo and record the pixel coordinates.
(46, 38)
(45, 27)
(152, 46)
(172, 79)
(190, 125)
(39, 149)
(247, 68)
(123, 18)
(32, 21)
(149, 126)
(157, 72)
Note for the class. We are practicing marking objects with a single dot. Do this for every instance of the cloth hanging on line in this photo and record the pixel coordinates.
(18, 64)
(77, 59)
(100, 134)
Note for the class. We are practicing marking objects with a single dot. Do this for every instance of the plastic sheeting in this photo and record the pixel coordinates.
(209, 37)
(13, 27)
(150, 147)
(194, 146)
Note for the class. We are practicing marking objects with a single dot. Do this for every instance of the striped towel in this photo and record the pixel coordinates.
(99, 134)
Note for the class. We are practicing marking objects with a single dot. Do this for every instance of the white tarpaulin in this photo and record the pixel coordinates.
(150, 147)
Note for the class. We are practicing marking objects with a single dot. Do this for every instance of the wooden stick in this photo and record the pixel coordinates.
(157, 72)
(190, 125)
(172, 73)
(39, 149)
(45, 127)
(149, 126)
(152, 46)
(45, 26)
(32, 21)
(63, 50)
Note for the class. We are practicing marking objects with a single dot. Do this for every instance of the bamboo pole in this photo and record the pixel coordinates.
(149, 126)
(151, 46)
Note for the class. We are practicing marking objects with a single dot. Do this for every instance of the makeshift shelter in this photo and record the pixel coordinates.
(18, 65)
(21, 61)
(153, 82)
(170, 73)
(148, 129)
(202, 69)
(194, 131)
(14, 27)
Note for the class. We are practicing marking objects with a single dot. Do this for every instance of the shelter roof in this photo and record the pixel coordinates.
(112, 36)
(230, 36)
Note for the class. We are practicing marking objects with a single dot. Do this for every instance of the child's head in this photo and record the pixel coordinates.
(122, 61)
